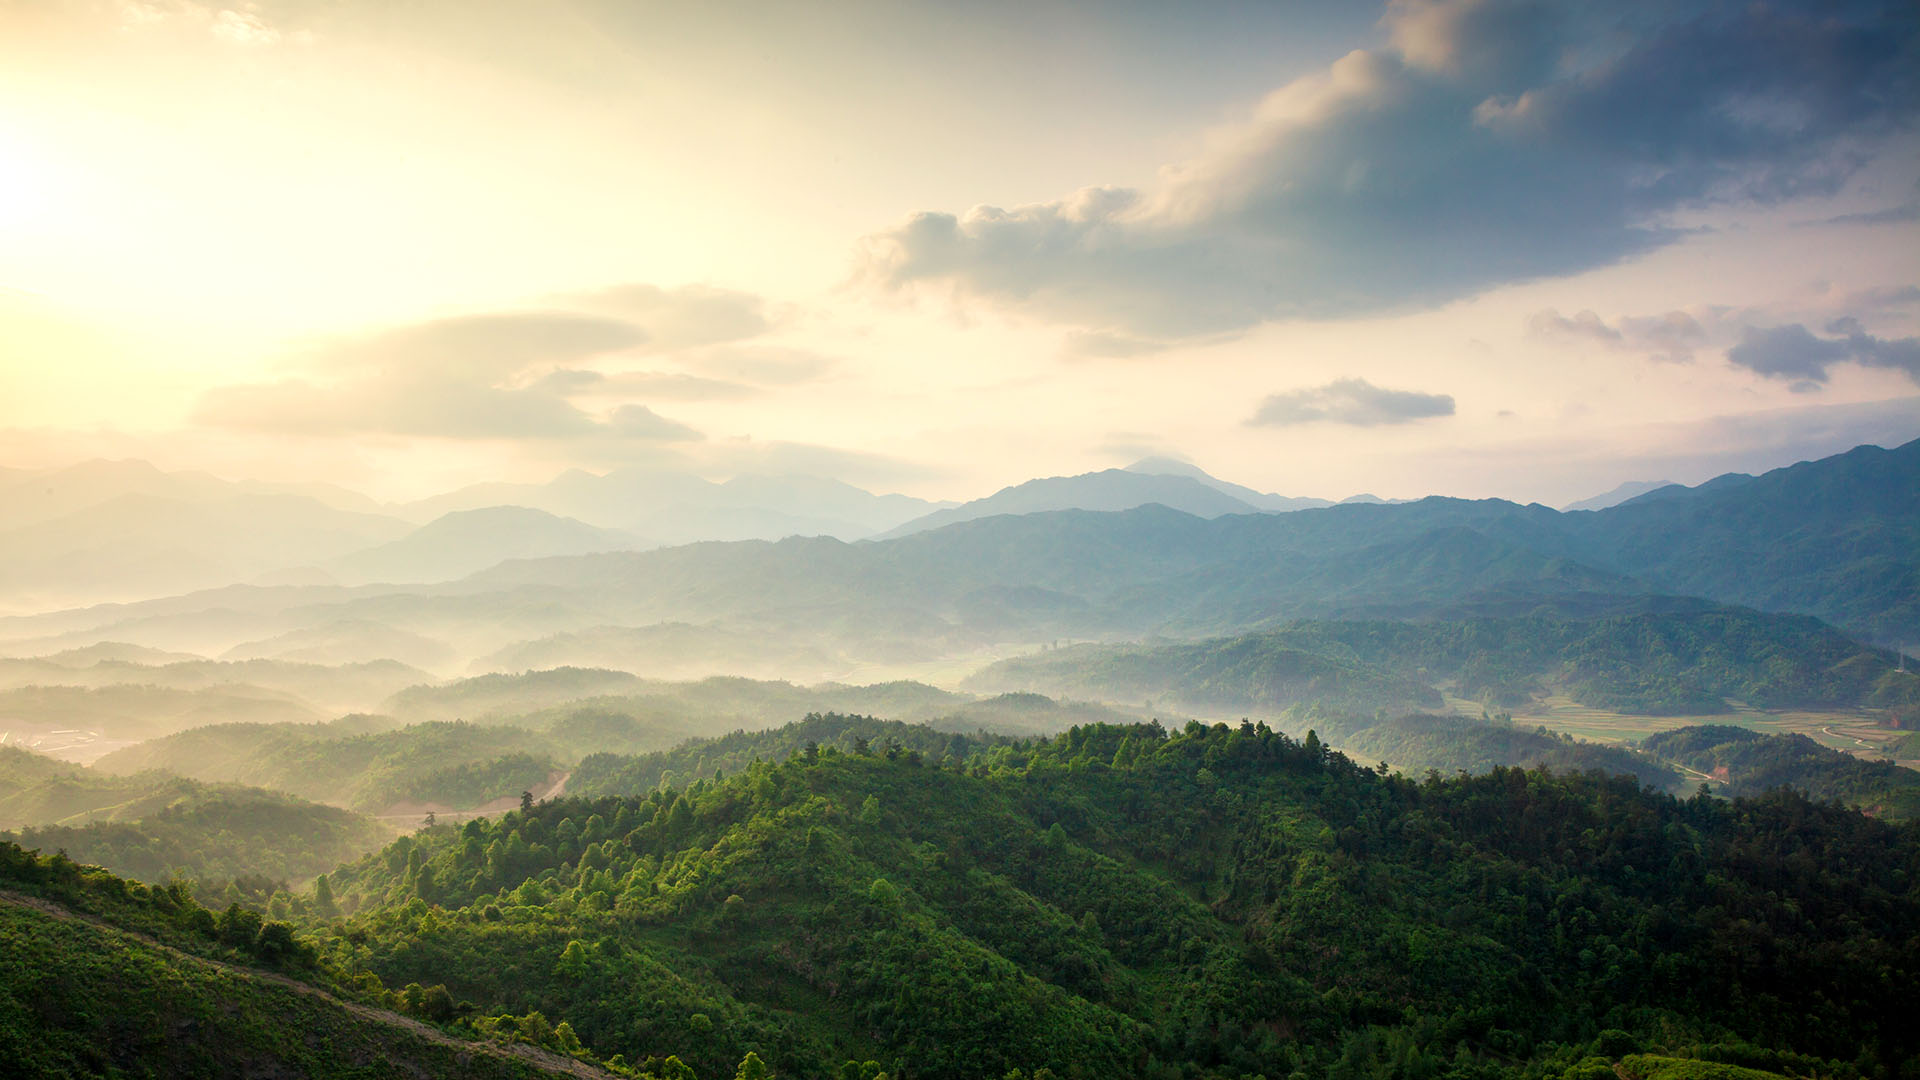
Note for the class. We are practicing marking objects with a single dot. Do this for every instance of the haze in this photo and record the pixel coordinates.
(1317, 250)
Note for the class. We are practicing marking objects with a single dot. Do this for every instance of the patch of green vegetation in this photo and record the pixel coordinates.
(218, 833)
(459, 764)
(1121, 900)
(1748, 763)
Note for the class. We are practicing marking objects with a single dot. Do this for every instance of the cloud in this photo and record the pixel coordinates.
(1349, 401)
(653, 385)
(682, 318)
(1492, 141)
(1673, 336)
(1794, 352)
(1107, 344)
(1886, 215)
(640, 422)
(766, 364)
(504, 376)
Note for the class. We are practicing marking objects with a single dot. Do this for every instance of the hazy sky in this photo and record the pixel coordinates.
(1480, 248)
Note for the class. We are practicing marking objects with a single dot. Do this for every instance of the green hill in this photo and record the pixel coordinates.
(206, 834)
(106, 978)
(1748, 762)
(1216, 902)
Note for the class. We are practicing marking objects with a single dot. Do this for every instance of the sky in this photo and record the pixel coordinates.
(1463, 247)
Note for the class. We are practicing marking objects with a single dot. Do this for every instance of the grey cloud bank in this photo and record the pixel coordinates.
(1794, 352)
(1491, 142)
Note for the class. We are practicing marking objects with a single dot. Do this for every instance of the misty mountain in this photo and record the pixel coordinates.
(674, 650)
(30, 496)
(1837, 538)
(462, 541)
(141, 545)
(1632, 489)
(341, 688)
(1162, 466)
(347, 641)
(1111, 489)
(679, 508)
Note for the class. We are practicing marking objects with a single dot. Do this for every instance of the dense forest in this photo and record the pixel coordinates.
(1217, 901)
(1750, 763)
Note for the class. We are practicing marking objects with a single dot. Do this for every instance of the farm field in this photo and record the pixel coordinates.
(1847, 730)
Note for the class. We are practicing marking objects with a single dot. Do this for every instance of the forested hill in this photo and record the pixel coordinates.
(1748, 763)
(1124, 901)
(1674, 659)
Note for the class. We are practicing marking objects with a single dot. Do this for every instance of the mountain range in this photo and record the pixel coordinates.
(1837, 538)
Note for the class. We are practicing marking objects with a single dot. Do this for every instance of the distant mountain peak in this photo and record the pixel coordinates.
(1632, 489)
(1160, 465)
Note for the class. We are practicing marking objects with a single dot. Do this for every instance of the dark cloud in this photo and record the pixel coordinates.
(1794, 352)
(1493, 141)
(1349, 401)
(1673, 336)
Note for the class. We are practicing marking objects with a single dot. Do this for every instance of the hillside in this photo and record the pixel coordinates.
(1459, 744)
(1124, 901)
(215, 834)
(1670, 659)
(1748, 763)
(109, 978)
(450, 764)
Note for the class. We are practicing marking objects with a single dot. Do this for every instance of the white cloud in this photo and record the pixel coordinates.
(1356, 402)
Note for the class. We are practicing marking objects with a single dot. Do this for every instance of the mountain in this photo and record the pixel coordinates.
(460, 542)
(141, 545)
(1656, 662)
(1632, 489)
(1121, 900)
(1112, 489)
(679, 508)
(1837, 538)
(30, 496)
(1749, 762)
(1161, 466)
(674, 650)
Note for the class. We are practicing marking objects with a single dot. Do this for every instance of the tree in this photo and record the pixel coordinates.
(752, 1068)
(323, 897)
(526, 801)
